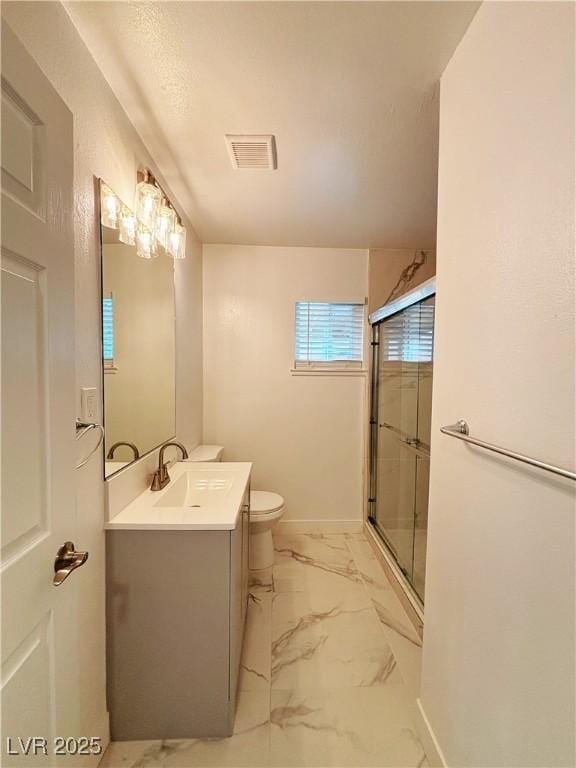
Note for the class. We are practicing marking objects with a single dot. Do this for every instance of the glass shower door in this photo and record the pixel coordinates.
(396, 466)
(425, 375)
(401, 438)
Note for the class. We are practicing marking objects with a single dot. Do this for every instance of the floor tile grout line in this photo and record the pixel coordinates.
(383, 627)
(371, 602)
(388, 587)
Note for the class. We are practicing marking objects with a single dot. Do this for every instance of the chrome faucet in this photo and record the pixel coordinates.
(110, 454)
(161, 477)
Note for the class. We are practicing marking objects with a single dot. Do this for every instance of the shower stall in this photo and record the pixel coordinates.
(400, 417)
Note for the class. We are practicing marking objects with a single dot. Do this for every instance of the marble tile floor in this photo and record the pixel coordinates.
(330, 669)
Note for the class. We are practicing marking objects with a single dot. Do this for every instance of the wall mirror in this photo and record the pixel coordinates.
(138, 339)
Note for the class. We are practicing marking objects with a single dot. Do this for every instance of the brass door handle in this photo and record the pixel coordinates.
(67, 560)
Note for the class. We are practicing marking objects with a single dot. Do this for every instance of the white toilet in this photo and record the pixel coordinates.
(266, 508)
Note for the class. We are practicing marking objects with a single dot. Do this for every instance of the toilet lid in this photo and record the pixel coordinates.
(262, 502)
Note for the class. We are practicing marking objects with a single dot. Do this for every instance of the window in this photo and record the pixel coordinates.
(329, 335)
(409, 336)
(108, 332)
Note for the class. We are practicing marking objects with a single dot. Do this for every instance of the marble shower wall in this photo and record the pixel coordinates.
(392, 272)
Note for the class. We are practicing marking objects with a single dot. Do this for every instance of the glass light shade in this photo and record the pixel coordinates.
(127, 227)
(177, 242)
(109, 207)
(165, 222)
(146, 243)
(147, 204)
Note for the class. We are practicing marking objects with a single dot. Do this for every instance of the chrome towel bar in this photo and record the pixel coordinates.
(460, 430)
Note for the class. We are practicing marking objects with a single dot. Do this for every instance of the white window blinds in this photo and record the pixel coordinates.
(108, 331)
(409, 335)
(329, 333)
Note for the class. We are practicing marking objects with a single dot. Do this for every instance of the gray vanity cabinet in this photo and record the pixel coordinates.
(176, 610)
(240, 544)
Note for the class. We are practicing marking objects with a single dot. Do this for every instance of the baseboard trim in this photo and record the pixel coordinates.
(428, 738)
(318, 526)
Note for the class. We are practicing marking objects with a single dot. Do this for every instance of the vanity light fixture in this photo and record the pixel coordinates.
(147, 202)
(157, 222)
(109, 207)
(146, 243)
(127, 227)
(177, 244)
(165, 224)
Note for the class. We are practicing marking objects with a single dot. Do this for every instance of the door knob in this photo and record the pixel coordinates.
(67, 560)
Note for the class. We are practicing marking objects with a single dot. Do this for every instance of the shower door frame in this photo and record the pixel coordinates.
(420, 293)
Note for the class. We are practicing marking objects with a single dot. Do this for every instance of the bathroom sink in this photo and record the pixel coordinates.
(197, 489)
(200, 496)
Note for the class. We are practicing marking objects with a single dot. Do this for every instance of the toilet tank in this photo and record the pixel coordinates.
(206, 453)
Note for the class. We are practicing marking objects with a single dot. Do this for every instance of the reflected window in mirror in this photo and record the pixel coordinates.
(138, 348)
(108, 333)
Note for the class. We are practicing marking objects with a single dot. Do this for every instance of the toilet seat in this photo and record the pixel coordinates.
(265, 502)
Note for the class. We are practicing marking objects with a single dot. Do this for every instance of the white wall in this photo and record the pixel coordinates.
(498, 660)
(303, 433)
(105, 145)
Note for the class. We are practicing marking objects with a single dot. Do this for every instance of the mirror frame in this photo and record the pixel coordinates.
(98, 187)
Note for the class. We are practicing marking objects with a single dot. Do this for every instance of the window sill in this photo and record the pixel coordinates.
(328, 371)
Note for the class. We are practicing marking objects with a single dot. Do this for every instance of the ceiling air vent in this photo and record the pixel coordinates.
(252, 151)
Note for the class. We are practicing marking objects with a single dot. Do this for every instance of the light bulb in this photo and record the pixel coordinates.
(177, 242)
(127, 227)
(109, 207)
(147, 204)
(146, 245)
(165, 224)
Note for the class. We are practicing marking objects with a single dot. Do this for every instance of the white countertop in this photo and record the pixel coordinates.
(199, 496)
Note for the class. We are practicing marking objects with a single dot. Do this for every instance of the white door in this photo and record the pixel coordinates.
(39, 671)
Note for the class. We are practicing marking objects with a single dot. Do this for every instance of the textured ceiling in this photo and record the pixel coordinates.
(349, 89)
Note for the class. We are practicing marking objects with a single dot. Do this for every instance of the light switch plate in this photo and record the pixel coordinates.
(88, 403)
